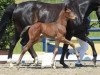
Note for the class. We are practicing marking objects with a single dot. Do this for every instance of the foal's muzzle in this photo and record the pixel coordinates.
(77, 21)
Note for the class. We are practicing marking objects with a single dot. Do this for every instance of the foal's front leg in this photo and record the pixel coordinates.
(72, 45)
(26, 47)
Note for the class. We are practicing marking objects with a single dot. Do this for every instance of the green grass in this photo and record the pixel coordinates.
(37, 47)
(46, 1)
(97, 34)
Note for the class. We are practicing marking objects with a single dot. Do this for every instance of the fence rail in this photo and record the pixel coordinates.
(94, 30)
(96, 38)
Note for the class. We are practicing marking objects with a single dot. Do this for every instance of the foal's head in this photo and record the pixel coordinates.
(67, 13)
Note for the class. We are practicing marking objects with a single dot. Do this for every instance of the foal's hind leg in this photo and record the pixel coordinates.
(24, 41)
(26, 47)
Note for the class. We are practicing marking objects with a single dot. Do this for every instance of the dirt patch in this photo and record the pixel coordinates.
(88, 69)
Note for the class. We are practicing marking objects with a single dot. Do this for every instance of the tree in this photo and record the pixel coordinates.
(4, 42)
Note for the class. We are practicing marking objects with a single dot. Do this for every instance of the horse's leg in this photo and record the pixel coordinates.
(64, 50)
(33, 54)
(12, 45)
(98, 14)
(55, 53)
(93, 49)
(84, 38)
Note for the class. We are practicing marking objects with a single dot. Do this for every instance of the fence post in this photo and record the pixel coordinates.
(44, 40)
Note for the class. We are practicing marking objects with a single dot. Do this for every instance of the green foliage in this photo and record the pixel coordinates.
(4, 42)
(52, 1)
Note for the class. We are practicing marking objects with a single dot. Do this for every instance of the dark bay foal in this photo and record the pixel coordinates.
(56, 30)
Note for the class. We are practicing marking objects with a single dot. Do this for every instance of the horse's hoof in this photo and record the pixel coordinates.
(17, 63)
(42, 66)
(64, 65)
(11, 65)
(53, 66)
(9, 61)
(94, 65)
(94, 61)
(36, 61)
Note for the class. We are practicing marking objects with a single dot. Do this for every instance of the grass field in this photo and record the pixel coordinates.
(37, 47)
(46, 1)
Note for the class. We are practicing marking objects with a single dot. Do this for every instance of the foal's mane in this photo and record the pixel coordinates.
(61, 17)
(62, 13)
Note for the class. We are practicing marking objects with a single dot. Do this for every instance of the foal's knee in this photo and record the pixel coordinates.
(55, 50)
(72, 45)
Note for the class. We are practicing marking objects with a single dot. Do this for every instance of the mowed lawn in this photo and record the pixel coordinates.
(37, 47)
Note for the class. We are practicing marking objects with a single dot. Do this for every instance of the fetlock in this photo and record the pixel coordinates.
(36, 60)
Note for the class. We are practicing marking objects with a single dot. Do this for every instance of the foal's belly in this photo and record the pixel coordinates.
(50, 34)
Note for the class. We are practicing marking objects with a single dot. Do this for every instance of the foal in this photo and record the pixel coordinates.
(56, 30)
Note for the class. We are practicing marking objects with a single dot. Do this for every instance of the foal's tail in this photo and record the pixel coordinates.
(7, 16)
(24, 30)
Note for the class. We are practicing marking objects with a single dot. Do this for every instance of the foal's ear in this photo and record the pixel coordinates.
(66, 7)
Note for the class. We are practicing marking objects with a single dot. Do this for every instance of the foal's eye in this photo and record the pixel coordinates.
(68, 10)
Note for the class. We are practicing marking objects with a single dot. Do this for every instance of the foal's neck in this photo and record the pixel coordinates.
(62, 20)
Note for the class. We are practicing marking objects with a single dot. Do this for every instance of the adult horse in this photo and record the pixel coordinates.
(24, 14)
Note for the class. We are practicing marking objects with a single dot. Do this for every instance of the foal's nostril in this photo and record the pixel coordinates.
(73, 17)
